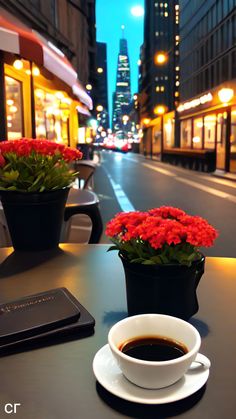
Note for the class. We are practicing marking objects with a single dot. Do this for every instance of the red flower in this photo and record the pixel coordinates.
(160, 226)
(24, 147)
(2, 160)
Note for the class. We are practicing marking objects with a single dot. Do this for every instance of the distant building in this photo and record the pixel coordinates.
(122, 94)
(159, 72)
(102, 87)
(207, 111)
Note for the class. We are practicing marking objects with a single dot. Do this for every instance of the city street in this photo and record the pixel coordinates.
(126, 182)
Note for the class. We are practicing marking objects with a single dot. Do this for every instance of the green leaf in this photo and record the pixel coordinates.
(148, 262)
(112, 248)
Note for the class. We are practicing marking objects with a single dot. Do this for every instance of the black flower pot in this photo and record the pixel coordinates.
(34, 219)
(164, 289)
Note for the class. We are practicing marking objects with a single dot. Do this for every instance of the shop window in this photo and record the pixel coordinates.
(209, 131)
(186, 133)
(232, 164)
(169, 131)
(156, 138)
(14, 109)
(52, 115)
(197, 133)
(221, 141)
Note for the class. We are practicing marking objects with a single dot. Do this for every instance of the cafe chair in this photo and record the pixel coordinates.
(5, 238)
(85, 203)
(85, 177)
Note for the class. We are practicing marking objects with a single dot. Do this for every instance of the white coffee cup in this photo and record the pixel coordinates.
(156, 374)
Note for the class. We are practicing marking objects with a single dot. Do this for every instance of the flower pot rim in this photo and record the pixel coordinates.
(5, 191)
(164, 265)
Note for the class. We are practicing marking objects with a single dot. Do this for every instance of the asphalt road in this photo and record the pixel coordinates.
(126, 182)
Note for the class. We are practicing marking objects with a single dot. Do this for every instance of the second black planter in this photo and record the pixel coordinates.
(163, 289)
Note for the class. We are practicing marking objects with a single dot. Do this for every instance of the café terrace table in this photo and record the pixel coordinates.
(57, 381)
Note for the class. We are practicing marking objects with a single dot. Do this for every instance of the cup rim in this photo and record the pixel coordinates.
(154, 363)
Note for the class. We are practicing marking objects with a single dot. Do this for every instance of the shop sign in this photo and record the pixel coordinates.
(195, 102)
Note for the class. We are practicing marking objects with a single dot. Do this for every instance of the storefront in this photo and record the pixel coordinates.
(208, 125)
(40, 94)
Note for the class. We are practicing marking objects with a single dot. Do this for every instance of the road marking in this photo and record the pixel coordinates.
(204, 188)
(197, 185)
(121, 197)
(158, 169)
(225, 182)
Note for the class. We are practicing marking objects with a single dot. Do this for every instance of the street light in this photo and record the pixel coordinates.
(18, 64)
(159, 110)
(125, 119)
(160, 58)
(146, 121)
(225, 95)
(99, 108)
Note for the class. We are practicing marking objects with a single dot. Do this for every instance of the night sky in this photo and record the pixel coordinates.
(110, 15)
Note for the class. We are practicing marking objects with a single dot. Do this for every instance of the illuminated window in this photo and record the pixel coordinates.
(14, 108)
(165, 5)
(166, 14)
(186, 133)
(176, 7)
(197, 132)
(162, 88)
(177, 37)
(177, 83)
(176, 94)
(177, 68)
(161, 4)
(157, 88)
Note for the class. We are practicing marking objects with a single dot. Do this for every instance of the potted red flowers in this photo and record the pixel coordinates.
(160, 253)
(35, 177)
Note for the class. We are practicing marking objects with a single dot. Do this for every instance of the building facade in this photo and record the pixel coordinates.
(207, 111)
(159, 68)
(102, 86)
(122, 94)
(48, 51)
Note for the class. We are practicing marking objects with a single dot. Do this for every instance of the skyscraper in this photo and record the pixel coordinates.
(160, 55)
(102, 92)
(122, 94)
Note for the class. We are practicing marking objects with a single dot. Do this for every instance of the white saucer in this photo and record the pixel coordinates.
(111, 378)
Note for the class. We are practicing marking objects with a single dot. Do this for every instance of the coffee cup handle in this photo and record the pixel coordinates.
(200, 361)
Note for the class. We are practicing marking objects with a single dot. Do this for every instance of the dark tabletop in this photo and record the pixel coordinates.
(57, 381)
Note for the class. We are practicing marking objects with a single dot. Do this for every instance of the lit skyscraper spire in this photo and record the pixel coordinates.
(122, 94)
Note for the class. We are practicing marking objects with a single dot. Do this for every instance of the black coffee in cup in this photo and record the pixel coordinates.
(153, 348)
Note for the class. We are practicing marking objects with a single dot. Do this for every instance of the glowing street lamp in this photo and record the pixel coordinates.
(159, 110)
(146, 121)
(18, 64)
(125, 119)
(160, 58)
(225, 95)
(99, 108)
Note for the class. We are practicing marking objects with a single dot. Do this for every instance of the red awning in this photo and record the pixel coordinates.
(17, 38)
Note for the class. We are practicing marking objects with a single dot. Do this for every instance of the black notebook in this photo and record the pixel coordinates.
(46, 314)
